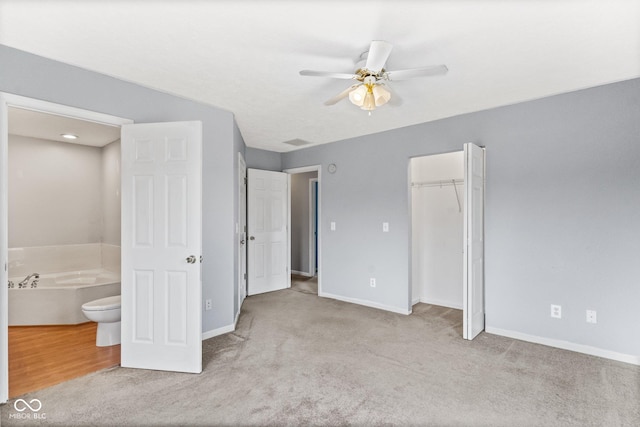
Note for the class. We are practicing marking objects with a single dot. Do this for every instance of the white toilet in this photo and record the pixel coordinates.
(106, 312)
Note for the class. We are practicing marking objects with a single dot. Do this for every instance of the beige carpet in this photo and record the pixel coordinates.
(297, 359)
(308, 285)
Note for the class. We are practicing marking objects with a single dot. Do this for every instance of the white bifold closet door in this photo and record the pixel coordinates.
(473, 287)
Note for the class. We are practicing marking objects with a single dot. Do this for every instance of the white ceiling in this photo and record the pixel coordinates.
(244, 55)
(40, 125)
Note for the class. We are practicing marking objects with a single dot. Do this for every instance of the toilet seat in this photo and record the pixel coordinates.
(103, 304)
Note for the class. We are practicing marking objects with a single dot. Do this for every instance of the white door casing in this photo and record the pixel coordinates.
(242, 230)
(313, 233)
(267, 223)
(473, 276)
(4, 254)
(162, 246)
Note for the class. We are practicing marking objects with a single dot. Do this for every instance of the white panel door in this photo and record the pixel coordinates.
(473, 286)
(161, 246)
(267, 207)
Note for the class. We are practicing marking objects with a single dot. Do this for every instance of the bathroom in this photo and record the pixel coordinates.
(64, 235)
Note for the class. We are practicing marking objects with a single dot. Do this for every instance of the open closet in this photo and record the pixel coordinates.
(437, 212)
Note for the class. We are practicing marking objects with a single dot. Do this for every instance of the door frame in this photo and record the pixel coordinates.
(11, 100)
(242, 234)
(312, 219)
(304, 169)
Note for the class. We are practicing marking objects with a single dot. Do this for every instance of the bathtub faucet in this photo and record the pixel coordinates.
(25, 282)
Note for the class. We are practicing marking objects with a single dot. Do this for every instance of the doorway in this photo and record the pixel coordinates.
(447, 220)
(27, 105)
(305, 234)
(437, 186)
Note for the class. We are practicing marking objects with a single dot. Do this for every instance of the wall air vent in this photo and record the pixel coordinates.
(297, 142)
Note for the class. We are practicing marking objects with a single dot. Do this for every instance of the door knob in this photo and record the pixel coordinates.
(191, 259)
(242, 242)
(252, 238)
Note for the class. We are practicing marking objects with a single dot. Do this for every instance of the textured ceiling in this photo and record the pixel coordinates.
(244, 56)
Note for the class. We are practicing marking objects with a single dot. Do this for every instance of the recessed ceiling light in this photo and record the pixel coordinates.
(69, 136)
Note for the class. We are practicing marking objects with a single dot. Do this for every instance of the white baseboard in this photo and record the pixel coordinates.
(301, 273)
(566, 345)
(219, 331)
(441, 303)
(365, 303)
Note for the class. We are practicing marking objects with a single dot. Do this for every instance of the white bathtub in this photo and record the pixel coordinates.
(58, 298)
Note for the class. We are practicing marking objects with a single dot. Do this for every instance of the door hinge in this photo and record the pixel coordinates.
(245, 276)
(245, 181)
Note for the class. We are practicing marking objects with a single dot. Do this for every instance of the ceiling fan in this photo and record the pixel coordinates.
(371, 91)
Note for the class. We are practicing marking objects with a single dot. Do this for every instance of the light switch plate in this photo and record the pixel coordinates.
(385, 227)
(333, 226)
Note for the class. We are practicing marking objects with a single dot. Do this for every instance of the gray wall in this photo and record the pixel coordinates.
(262, 159)
(29, 75)
(111, 193)
(54, 193)
(561, 224)
(300, 221)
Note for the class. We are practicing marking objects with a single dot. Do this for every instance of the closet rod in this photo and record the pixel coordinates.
(441, 183)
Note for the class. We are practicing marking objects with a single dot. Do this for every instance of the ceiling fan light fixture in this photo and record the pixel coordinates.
(381, 95)
(369, 103)
(357, 96)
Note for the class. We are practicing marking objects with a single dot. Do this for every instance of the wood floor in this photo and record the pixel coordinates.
(42, 356)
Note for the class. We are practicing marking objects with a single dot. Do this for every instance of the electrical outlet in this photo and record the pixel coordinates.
(556, 311)
(372, 282)
(591, 316)
(207, 304)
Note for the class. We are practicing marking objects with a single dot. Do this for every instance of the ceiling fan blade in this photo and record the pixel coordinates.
(340, 96)
(416, 72)
(313, 73)
(377, 56)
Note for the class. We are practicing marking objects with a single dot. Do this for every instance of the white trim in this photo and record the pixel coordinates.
(6, 100)
(312, 223)
(62, 110)
(302, 169)
(566, 345)
(241, 234)
(219, 331)
(4, 252)
(289, 231)
(301, 273)
(365, 303)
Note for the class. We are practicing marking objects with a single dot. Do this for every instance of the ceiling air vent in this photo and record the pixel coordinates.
(297, 142)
